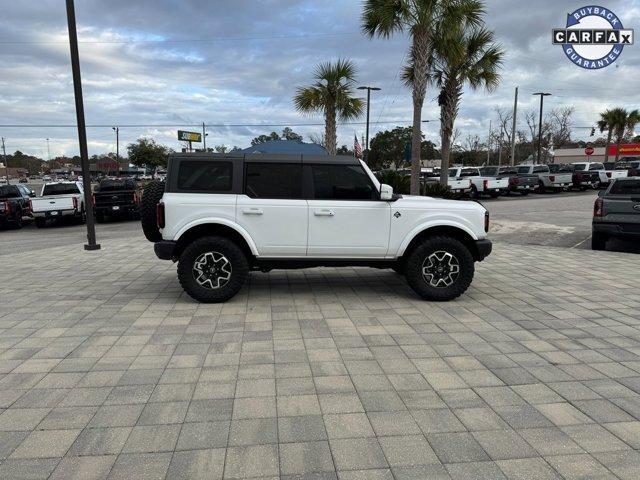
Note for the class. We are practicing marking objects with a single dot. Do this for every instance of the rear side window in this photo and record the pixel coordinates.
(626, 187)
(60, 189)
(523, 169)
(199, 176)
(273, 180)
(9, 191)
(342, 182)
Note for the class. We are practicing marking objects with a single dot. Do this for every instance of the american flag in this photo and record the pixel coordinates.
(357, 149)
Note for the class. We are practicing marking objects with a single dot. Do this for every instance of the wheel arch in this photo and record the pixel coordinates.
(458, 232)
(235, 233)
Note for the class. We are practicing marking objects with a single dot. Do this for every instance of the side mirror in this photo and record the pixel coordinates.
(601, 193)
(32, 193)
(386, 192)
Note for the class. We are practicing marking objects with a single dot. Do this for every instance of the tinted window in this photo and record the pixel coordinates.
(626, 187)
(596, 166)
(114, 185)
(205, 176)
(453, 173)
(469, 172)
(523, 169)
(60, 189)
(341, 182)
(540, 169)
(580, 167)
(273, 180)
(489, 171)
(9, 191)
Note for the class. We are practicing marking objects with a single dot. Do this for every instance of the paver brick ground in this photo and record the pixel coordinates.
(108, 370)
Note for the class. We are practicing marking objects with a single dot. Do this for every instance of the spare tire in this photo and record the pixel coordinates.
(151, 196)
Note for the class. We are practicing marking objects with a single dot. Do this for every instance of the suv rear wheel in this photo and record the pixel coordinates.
(440, 268)
(212, 269)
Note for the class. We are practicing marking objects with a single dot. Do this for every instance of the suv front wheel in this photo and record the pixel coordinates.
(440, 268)
(212, 269)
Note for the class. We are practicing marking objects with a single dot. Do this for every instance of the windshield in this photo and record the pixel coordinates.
(113, 185)
(60, 189)
(626, 187)
(523, 169)
(453, 173)
(8, 191)
(469, 172)
(596, 166)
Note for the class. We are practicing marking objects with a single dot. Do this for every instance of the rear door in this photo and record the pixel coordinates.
(346, 217)
(272, 208)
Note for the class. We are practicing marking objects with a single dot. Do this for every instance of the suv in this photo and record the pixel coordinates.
(220, 216)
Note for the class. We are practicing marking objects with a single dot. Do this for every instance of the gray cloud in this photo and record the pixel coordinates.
(237, 62)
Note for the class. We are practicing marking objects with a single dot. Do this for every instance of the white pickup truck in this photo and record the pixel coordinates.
(547, 180)
(456, 185)
(220, 216)
(59, 200)
(480, 185)
(606, 176)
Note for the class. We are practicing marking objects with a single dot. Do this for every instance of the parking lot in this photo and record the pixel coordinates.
(108, 370)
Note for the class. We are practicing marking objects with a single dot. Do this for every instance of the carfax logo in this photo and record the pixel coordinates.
(593, 38)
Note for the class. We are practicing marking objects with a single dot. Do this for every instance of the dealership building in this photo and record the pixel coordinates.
(570, 155)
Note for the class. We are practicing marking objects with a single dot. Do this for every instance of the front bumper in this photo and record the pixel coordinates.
(482, 249)
(164, 249)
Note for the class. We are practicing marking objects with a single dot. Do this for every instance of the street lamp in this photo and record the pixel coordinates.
(117, 130)
(48, 150)
(368, 89)
(542, 95)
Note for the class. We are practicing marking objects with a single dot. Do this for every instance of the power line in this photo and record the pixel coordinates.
(199, 125)
(185, 40)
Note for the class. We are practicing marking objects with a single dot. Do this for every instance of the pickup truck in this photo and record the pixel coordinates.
(607, 172)
(631, 165)
(456, 185)
(547, 180)
(58, 201)
(523, 184)
(480, 185)
(222, 215)
(116, 198)
(585, 175)
(15, 204)
(616, 212)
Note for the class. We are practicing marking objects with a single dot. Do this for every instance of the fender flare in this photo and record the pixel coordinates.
(219, 221)
(432, 224)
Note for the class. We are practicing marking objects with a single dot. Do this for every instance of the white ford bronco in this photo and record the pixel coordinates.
(222, 215)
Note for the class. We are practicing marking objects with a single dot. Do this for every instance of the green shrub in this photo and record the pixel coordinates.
(399, 182)
(438, 190)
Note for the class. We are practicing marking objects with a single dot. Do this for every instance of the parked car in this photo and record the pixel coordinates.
(584, 178)
(456, 185)
(606, 171)
(547, 180)
(220, 216)
(523, 184)
(59, 200)
(116, 198)
(616, 212)
(631, 165)
(15, 204)
(480, 184)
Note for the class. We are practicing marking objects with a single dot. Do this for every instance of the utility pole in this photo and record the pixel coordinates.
(368, 89)
(542, 95)
(513, 130)
(500, 149)
(117, 130)
(489, 142)
(204, 137)
(82, 131)
(48, 150)
(6, 162)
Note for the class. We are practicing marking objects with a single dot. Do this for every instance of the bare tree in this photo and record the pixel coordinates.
(318, 139)
(560, 125)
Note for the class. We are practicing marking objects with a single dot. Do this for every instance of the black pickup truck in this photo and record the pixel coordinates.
(616, 213)
(14, 204)
(116, 198)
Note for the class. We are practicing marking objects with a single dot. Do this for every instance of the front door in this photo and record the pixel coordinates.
(346, 218)
(272, 209)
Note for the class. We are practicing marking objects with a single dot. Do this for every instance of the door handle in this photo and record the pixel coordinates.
(252, 211)
(324, 213)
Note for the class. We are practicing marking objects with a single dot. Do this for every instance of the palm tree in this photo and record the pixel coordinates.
(331, 94)
(606, 122)
(466, 55)
(419, 18)
(625, 124)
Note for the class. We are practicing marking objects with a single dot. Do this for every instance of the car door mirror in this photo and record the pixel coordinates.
(386, 192)
(32, 193)
(601, 193)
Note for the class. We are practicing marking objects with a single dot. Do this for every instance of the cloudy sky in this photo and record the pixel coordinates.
(165, 62)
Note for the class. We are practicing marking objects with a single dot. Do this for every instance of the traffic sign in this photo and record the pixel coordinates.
(184, 136)
(589, 151)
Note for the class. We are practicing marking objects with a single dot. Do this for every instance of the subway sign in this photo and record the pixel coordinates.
(185, 136)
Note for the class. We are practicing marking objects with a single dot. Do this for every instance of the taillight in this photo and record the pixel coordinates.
(485, 184)
(552, 178)
(135, 198)
(486, 221)
(7, 208)
(609, 174)
(160, 215)
(75, 203)
(30, 205)
(597, 207)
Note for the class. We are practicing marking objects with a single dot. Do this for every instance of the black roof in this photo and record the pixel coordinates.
(270, 158)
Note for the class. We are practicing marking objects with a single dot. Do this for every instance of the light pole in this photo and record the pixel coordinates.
(48, 151)
(6, 162)
(542, 95)
(82, 131)
(117, 130)
(368, 89)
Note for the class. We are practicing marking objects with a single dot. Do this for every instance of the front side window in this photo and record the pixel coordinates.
(273, 180)
(342, 182)
(201, 176)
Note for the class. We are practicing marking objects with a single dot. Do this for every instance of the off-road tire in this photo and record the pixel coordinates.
(541, 188)
(599, 241)
(40, 222)
(148, 214)
(224, 246)
(419, 255)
